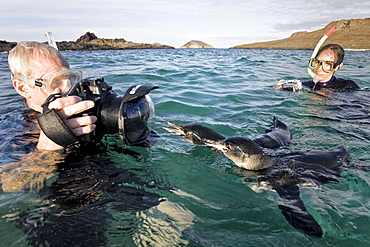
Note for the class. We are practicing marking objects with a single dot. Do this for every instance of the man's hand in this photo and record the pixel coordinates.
(66, 107)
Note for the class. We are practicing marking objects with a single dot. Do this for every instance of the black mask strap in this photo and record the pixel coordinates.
(51, 98)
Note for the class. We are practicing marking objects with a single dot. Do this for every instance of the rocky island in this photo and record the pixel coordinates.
(350, 34)
(90, 41)
(196, 44)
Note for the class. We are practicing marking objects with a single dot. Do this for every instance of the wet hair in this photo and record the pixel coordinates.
(337, 49)
(21, 57)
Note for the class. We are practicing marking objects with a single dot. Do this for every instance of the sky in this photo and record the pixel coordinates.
(220, 23)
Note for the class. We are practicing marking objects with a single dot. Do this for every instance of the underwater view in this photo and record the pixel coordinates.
(176, 193)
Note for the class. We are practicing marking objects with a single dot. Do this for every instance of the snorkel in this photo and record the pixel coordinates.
(316, 50)
(51, 40)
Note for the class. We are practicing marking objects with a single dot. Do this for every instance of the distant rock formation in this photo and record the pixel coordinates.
(196, 44)
(89, 41)
(87, 37)
(350, 34)
(6, 46)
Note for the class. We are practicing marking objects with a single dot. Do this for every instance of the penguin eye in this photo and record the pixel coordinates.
(189, 133)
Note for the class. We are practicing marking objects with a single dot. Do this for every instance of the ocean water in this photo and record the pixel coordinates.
(208, 201)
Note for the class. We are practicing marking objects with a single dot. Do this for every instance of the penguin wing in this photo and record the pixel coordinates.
(294, 209)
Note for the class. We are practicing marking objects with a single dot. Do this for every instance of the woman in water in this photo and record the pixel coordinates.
(329, 60)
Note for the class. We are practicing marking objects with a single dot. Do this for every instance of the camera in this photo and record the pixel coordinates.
(128, 115)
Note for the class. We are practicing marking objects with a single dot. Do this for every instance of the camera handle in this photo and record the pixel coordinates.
(50, 121)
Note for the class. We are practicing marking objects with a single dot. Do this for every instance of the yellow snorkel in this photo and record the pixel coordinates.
(316, 50)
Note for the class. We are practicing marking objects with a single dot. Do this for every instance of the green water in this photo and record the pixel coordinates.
(209, 202)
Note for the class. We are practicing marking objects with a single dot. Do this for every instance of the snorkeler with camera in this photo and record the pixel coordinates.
(33, 62)
(43, 77)
(80, 186)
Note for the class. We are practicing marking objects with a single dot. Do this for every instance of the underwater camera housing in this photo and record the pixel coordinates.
(128, 115)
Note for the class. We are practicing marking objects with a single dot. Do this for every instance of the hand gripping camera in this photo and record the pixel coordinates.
(127, 116)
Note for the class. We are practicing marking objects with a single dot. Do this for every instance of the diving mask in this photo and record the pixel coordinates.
(64, 79)
(327, 66)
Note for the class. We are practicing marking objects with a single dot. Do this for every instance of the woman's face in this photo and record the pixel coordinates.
(321, 75)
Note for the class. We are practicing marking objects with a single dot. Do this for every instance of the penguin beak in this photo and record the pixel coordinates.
(178, 129)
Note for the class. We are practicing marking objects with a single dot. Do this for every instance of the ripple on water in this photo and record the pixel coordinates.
(230, 91)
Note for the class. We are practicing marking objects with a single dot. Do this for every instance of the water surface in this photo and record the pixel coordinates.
(208, 201)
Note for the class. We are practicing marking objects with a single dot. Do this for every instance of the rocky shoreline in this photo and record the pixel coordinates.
(89, 42)
(353, 34)
(6, 46)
